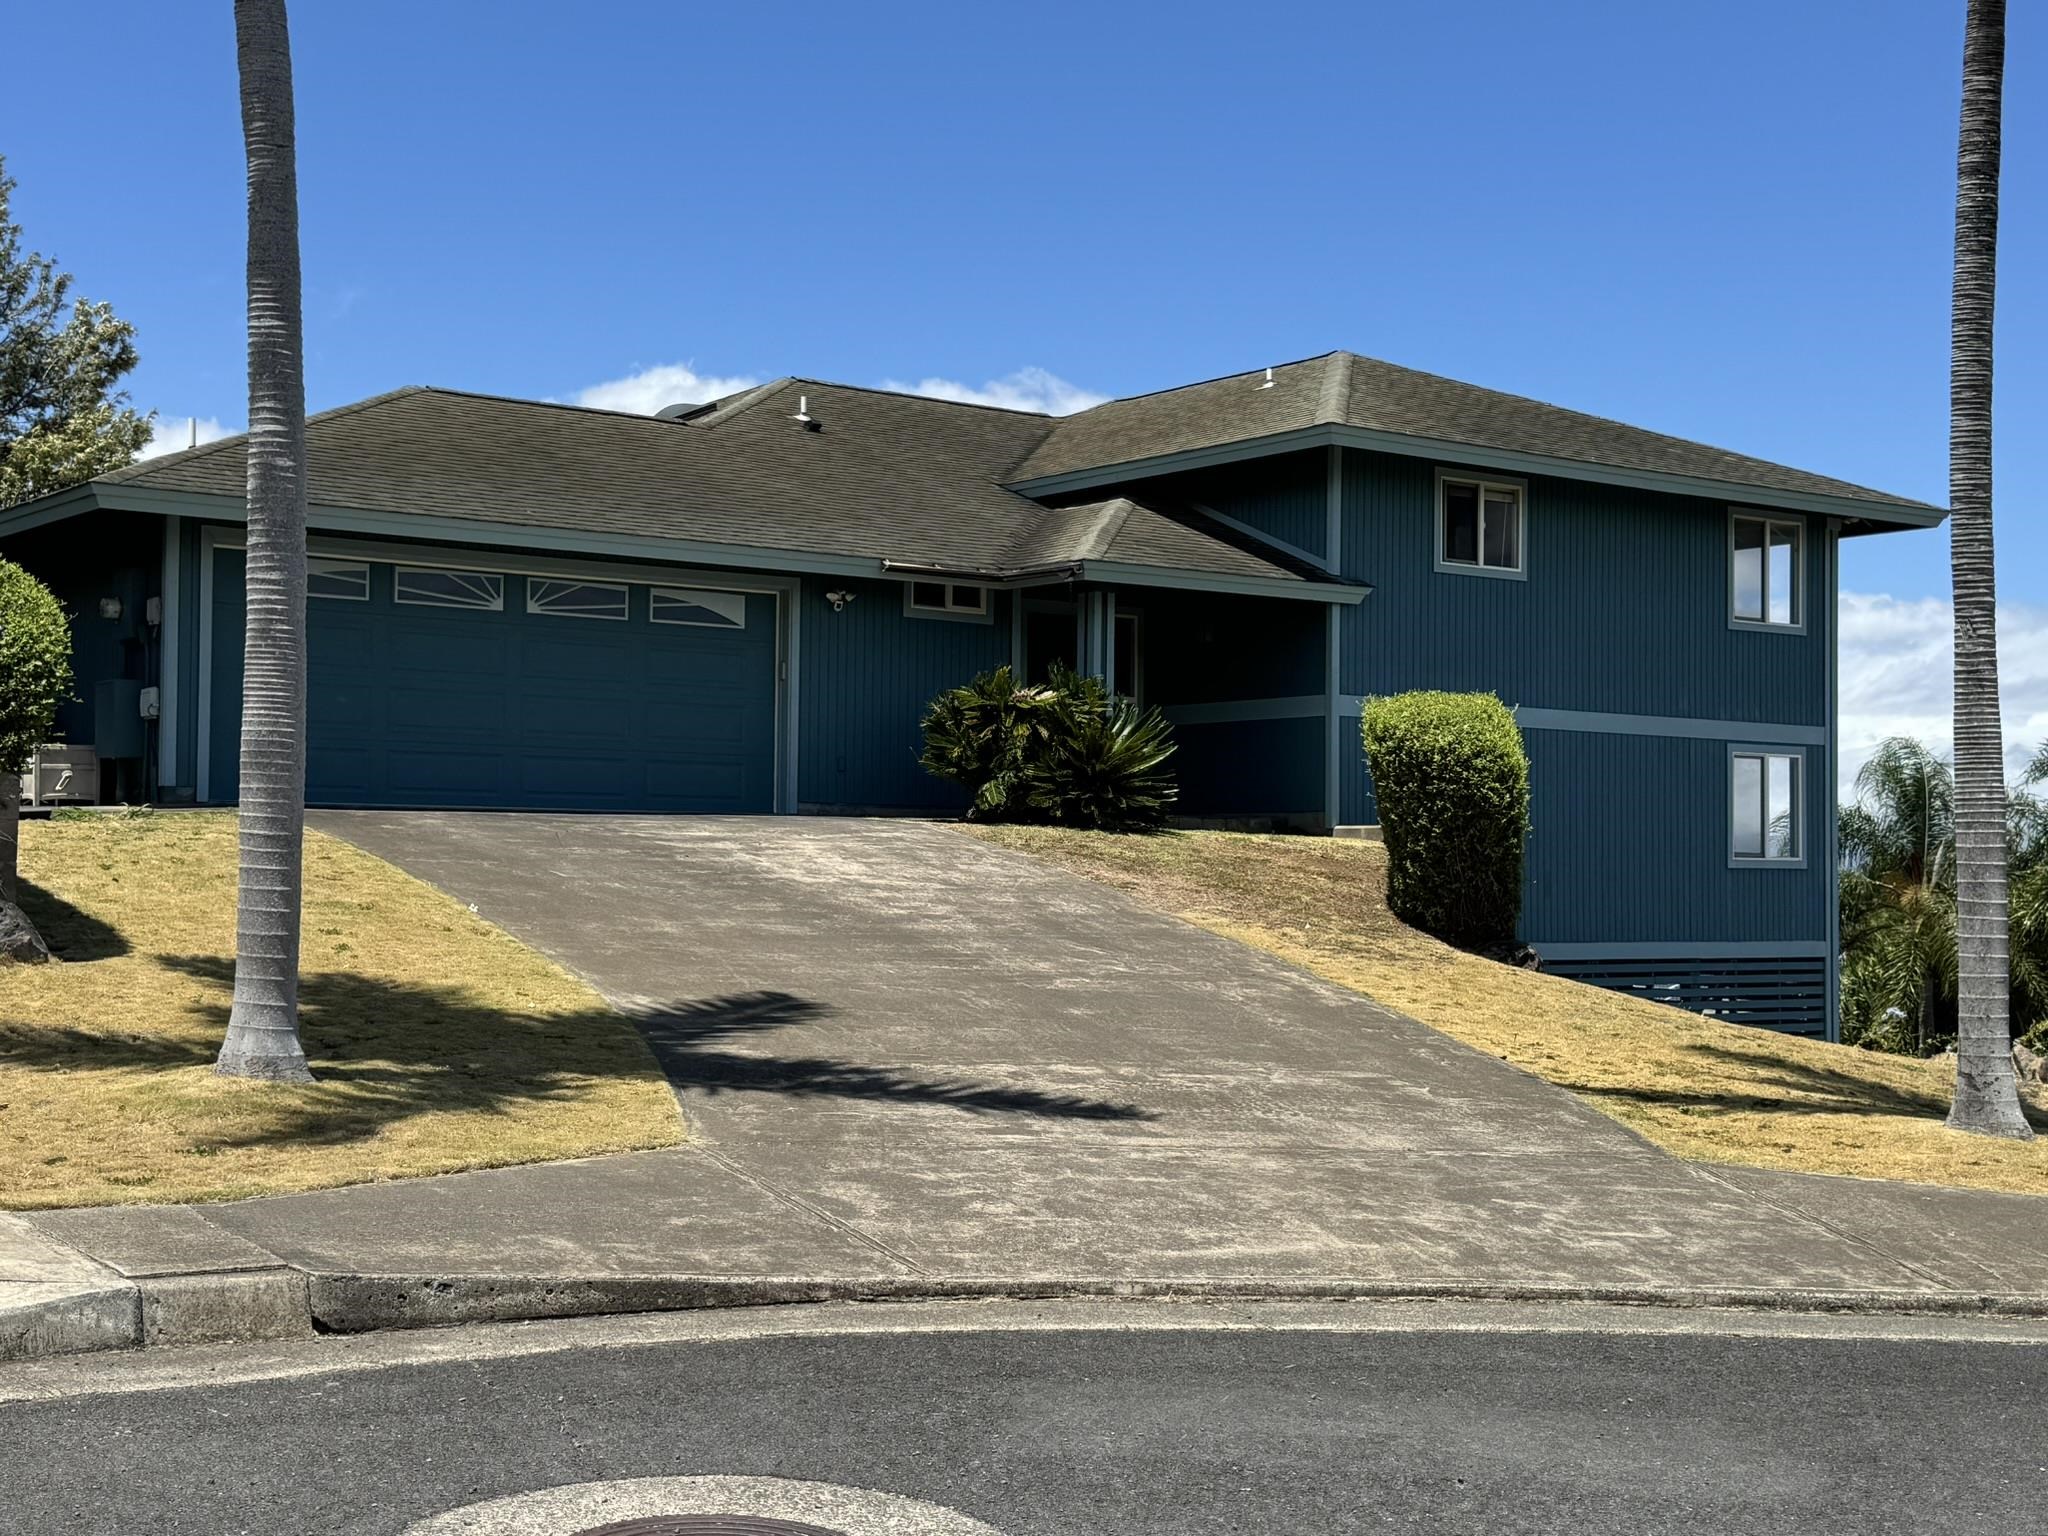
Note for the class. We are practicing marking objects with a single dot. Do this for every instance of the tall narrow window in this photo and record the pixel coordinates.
(1766, 556)
(1764, 807)
(1479, 525)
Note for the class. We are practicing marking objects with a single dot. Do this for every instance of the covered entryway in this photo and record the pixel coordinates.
(460, 684)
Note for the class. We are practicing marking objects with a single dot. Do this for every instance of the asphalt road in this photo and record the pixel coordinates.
(1107, 1420)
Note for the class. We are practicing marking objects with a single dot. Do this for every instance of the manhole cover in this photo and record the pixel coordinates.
(709, 1525)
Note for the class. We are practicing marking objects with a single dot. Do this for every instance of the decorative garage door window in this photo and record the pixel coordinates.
(708, 610)
(575, 599)
(448, 589)
(344, 580)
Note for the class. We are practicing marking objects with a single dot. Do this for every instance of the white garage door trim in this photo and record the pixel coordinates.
(784, 589)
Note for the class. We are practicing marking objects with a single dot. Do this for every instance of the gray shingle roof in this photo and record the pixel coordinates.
(885, 476)
(1342, 388)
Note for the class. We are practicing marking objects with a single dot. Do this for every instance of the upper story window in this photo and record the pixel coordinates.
(1764, 808)
(1479, 524)
(1767, 560)
(953, 599)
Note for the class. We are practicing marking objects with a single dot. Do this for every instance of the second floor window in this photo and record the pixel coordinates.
(1479, 525)
(1766, 555)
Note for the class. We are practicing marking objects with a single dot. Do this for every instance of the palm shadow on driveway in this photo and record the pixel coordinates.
(386, 1051)
(684, 1038)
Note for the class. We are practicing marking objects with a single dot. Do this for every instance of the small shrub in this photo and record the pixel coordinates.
(1063, 751)
(1452, 783)
(1108, 771)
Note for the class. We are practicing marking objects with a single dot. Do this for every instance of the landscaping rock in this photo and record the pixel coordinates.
(2028, 1065)
(20, 944)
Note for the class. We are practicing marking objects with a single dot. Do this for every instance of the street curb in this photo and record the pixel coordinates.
(357, 1303)
(245, 1306)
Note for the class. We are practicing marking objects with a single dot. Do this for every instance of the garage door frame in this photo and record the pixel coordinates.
(784, 589)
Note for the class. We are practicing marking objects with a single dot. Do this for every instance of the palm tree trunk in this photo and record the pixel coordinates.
(263, 1026)
(1986, 1096)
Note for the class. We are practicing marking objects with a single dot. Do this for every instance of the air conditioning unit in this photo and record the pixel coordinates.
(61, 774)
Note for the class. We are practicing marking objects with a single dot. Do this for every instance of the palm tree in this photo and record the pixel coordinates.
(1899, 897)
(1987, 1096)
(263, 1025)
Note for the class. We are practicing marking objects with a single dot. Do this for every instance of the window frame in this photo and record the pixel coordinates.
(985, 613)
(690, 595)
(1797, 756)
(1483, 483)
(1770, 520)
(398, 598)
(625, 592)
(335, 567)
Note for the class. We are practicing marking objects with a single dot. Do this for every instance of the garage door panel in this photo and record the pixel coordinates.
(474, 707)
(455, 710)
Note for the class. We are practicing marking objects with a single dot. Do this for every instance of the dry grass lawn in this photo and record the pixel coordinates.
(1718, 1092)
(440, 1042)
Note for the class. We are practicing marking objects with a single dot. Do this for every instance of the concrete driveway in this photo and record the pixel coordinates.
(904, 1052)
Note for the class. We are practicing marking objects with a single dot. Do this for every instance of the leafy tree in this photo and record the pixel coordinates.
(62, 418)
(35, 677)
(263, 1023)
(1986, 1098)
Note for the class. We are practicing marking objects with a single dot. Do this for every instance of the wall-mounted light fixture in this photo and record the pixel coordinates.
(110, 608)
(839, 600)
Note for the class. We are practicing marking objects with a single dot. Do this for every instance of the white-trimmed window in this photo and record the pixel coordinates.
(954, 599)
(427, 588)
(346, 581)
(1766, 569)
(1765, 793)
(705, 610)
(1480, 524)
(561, 598)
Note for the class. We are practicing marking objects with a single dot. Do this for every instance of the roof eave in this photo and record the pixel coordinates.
(1895, 514)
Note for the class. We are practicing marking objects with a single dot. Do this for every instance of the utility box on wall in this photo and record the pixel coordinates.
(117, 718)
(63, 775)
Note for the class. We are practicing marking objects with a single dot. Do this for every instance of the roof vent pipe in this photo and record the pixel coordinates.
(1269, 380)
(803, 408)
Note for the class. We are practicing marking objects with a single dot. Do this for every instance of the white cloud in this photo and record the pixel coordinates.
(173, 433)
(1028, 389)
(647, 391)
(1897, 666)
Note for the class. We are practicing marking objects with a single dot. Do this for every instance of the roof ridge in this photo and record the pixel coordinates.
(1174, 389)
(1628, 426)
(1336, 396)
(745, 400)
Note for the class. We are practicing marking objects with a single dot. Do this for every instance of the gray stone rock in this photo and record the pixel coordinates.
(20, 944)
(2027, 1064)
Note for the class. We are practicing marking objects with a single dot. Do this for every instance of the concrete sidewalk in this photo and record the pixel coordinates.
(915, 1065)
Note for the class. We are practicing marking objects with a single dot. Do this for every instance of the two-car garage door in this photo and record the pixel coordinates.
(453, 686)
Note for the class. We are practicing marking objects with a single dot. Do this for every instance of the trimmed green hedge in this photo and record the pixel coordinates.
(1452, 783)
(35, 665)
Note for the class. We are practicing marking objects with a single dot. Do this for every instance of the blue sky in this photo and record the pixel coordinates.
(1731, 222)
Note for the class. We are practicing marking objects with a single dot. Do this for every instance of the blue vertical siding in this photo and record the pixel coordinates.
(1625, 609)
(1628, 844)
(867, 673)
(1286, 497)
(1250, 768)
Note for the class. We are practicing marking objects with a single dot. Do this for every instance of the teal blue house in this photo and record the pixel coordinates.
(742, 606)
